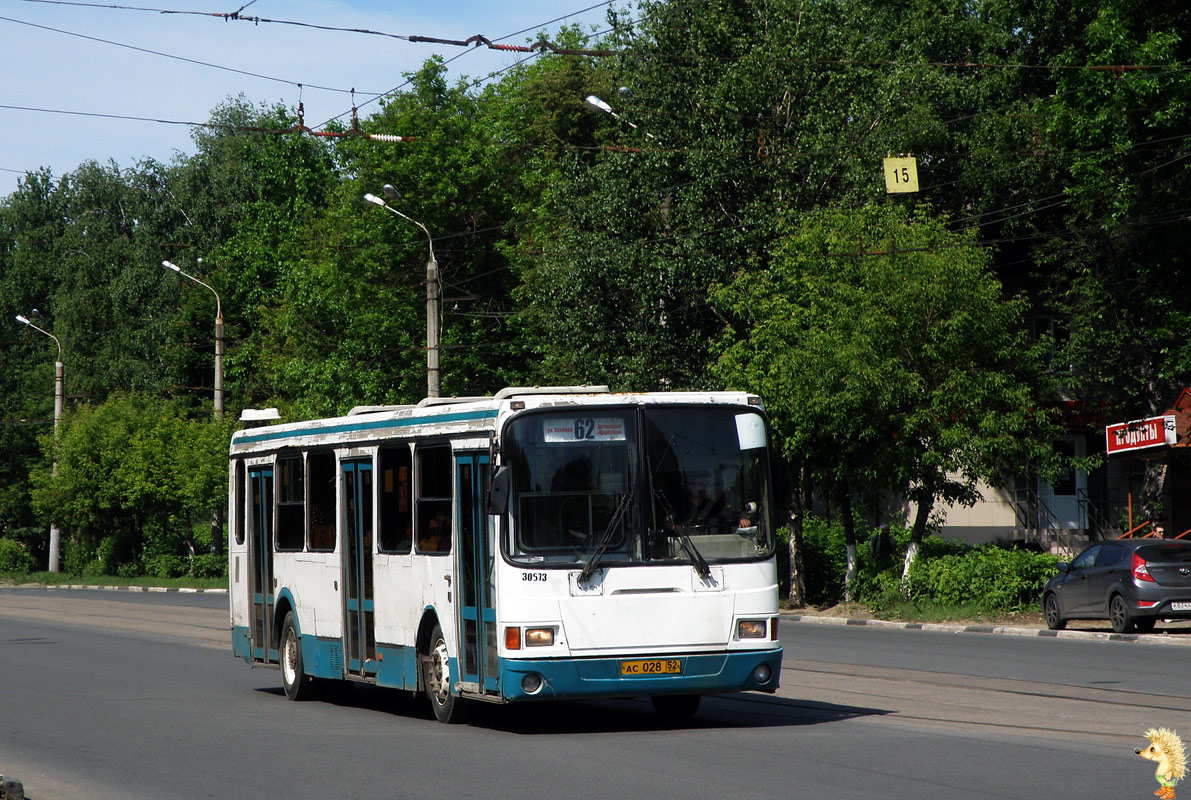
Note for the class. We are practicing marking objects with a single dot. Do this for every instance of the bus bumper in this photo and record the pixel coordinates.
(703, 673)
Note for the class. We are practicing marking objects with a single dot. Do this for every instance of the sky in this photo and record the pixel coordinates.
(75, 60)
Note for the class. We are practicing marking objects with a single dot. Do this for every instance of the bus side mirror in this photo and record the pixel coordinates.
(498, 492)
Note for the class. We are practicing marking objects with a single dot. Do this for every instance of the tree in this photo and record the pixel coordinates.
(134, 476)
(888, 358)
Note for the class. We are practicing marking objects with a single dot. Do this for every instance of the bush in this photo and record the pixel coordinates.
(208, 566)
(992, 578)
(79, 558)
(14, 557)
(825, 559)
(165, 566)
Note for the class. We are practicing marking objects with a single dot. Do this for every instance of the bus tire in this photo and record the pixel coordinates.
(676, 707)
(437, 680)
(297, 684)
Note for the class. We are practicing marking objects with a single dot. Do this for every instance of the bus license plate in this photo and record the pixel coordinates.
(656, 666)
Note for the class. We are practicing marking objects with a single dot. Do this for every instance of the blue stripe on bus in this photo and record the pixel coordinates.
(242, 642)
(600, 677)
(360, 427)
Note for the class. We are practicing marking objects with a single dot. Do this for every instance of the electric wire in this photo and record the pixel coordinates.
(184, 59)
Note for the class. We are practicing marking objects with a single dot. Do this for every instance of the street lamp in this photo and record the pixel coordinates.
(432, 369)
(218, 335)
(59, 397)
(598, 104)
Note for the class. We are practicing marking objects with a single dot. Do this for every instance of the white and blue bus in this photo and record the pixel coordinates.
(544, 543)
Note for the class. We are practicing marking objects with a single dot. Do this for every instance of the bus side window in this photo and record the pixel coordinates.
(320, 480)
(238, 517)
(434, 499)
(396, 500)
(291, 504)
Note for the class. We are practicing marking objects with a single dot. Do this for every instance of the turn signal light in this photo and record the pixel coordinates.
(512, 638)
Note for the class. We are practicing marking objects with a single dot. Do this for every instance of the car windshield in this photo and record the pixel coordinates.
(659, 483)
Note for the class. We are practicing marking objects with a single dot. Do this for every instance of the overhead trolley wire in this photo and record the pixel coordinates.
(177, 58)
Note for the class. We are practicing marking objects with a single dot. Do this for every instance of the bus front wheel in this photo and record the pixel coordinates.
(437, 679)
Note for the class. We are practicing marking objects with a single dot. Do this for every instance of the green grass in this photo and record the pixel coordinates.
(61, 578)
(909, 611)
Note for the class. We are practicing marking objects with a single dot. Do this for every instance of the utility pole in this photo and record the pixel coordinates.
(59, 404)
(433, 373)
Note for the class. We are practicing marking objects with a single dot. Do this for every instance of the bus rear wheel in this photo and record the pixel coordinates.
(676, 707)
(297, 684)
(448, 708)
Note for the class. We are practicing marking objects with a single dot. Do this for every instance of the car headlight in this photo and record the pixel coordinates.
(752, 628)
(539, 637)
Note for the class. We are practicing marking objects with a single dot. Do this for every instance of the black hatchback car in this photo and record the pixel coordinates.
(1131, 582)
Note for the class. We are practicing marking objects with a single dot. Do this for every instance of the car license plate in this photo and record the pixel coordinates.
(1180, 606)
(655, 666)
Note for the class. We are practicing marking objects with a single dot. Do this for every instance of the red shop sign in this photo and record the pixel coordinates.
(1140, 434)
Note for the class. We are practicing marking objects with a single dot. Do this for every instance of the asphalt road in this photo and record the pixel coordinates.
(109, 695)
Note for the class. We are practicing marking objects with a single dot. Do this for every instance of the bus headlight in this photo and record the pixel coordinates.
(762, 674)
(539, 637)
(751, 628)
(531, 683)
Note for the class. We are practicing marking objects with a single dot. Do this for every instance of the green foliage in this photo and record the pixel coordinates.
(14, 557)
(135, 474)
(79, 558)
(958, 387)
(719, 239)
(207, 565)
(991, 579)
(165, 566)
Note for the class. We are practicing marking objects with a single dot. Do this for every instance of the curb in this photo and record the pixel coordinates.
(98, 588)
(1004, 630)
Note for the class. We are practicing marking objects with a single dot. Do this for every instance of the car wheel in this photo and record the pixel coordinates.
(1118, 613)
(1054, 615)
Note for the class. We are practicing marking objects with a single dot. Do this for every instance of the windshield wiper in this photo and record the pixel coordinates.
(696, 558)
(692, 552)
(605, 538)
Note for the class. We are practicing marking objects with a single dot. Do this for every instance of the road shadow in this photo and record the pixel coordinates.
(736, 711)
(606, 715)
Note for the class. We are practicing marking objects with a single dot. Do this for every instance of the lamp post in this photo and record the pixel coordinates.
(598, 104)
(59, 402)
(432, 368)
(218, 335)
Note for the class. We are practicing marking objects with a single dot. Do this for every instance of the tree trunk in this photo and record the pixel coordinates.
(797, 589)
(843, 501)
(926, 503)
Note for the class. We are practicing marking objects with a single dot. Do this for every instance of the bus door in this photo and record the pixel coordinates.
(477, 614)
(260, 557)
(359, 638)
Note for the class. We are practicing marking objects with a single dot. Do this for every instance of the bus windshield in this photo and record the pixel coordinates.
(620, 486)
